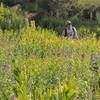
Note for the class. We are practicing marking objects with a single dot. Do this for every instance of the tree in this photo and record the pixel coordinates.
(11, 2)
(59, 8)
(89, 8)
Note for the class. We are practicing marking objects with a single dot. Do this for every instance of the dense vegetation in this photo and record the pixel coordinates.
(60, 8)
(37, 64)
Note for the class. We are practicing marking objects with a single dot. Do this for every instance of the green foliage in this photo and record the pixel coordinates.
(11, 18)
(89, 3)
(54, 23)
(11, 2)
(98, 18)
(84, 27)
(58, 8)
(31, 7)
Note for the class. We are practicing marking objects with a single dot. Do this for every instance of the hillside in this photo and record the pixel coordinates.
(38, 64)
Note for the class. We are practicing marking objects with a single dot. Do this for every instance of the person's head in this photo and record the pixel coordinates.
(68, 24)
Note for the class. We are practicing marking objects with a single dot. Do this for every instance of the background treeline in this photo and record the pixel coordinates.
(60, 8)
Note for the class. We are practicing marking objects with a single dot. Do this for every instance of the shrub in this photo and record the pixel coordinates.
(31, 7)
(54, 23)
(84, 27)
(11, 18)
(11, 2)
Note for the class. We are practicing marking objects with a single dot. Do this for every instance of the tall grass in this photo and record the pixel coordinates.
(36, 64)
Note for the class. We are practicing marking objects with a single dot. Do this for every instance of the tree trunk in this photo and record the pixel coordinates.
(86, 14)
(57, 13)
(91, 15)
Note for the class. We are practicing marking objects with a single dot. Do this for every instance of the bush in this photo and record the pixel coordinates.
(54, 23)
(84, 27)
(11, 18)
(11, 2)
(31, 7)
(89, 26)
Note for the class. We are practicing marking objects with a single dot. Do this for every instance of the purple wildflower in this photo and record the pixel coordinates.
(13, 98)
(6, 67)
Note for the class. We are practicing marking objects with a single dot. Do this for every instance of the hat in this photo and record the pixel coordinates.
(68, 22)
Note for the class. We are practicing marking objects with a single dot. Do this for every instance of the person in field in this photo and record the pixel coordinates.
(70, 31)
